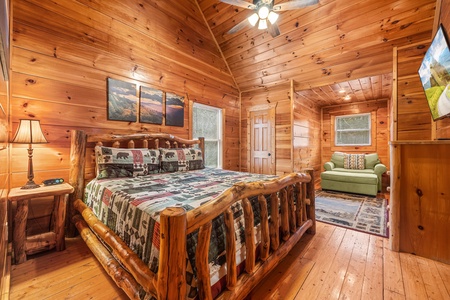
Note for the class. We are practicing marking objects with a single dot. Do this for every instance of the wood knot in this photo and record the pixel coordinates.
(419, 192)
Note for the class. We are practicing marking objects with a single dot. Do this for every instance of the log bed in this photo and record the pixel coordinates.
(291, 212)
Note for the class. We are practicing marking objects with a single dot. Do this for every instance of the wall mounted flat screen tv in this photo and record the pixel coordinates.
(434, 74)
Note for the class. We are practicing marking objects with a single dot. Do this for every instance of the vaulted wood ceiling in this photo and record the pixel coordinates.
(331, 46)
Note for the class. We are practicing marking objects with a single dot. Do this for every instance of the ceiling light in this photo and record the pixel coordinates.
(273, 17)
(341, 91)
(262, 24)
(253, 19)
(263, 12)
(347, 97)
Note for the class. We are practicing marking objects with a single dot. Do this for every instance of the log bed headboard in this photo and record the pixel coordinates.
(292, 213)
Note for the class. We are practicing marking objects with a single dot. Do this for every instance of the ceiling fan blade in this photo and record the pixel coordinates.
(273, 29)
(240, 3)
(238, 26)
(295, 4)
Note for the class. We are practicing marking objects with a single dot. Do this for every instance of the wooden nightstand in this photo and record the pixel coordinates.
(23, 245)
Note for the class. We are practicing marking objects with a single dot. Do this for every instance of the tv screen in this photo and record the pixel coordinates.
(434, 73)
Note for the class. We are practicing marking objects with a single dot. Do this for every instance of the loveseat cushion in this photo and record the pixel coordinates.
(338, 159)
(371, 160)
(360, 177)
(364, 171)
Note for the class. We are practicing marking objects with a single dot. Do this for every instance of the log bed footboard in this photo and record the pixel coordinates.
(292, 213)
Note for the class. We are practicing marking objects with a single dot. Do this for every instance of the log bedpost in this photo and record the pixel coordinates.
(171, 282)
(76, 176)
(311, 194)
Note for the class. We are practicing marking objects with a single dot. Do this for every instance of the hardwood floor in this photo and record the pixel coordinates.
(336, 263)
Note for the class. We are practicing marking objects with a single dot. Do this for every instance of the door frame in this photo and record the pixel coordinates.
(264, 107)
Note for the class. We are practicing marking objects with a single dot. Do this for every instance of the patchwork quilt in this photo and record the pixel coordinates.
(131, 208)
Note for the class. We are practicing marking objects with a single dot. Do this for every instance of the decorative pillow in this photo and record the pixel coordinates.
(124, 162)
(181, 159)
(354, 161)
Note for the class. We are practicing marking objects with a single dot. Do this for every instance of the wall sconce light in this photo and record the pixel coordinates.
(29, 132)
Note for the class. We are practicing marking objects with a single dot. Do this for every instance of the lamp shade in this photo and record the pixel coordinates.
(29, 132)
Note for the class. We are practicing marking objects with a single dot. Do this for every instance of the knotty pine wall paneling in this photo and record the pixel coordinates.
(413, 115)
(381, 122)
(64, 51)
(306, 136)
(301, 136)
(280, 98)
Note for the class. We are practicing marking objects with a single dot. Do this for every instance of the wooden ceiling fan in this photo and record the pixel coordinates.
(265, 13)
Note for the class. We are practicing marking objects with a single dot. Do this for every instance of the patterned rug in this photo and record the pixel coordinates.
(358, 212)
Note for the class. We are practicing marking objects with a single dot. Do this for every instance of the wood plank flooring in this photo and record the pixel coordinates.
(336, 263)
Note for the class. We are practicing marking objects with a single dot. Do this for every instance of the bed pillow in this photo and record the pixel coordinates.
(124, 162)
(354, 161)
(181, 159)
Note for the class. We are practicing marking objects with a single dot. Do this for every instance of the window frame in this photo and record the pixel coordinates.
(364, 148)
(219, 133)
(336, 130)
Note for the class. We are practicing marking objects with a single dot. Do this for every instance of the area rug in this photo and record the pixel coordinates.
(358, 212)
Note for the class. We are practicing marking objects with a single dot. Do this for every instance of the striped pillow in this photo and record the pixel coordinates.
(354, 161)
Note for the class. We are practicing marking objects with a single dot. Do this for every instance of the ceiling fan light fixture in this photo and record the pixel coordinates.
(253, 19)
(263, 12)
(262, 24)
(273, 17)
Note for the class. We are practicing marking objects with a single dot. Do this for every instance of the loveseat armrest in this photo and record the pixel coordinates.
(329, 166)
(379, 169)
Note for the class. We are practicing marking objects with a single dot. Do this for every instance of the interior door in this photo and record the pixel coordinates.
(262, 141)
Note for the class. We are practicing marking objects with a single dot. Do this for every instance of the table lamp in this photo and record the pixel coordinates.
(29, 132)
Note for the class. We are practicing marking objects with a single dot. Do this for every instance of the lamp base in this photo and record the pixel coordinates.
(30, 185)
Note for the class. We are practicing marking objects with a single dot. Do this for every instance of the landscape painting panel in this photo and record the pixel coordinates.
(174, 110)
(151, 106)
(122, 101)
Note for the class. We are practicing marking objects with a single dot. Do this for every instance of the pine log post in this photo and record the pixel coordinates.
(171, 282)
(249, 236)
(311, 194)
(230, 252)
(265, 234)
(202, 264)
(76, 176)
(285, 233)
(274, 222)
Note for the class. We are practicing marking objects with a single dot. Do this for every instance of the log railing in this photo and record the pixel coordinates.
(292, 206)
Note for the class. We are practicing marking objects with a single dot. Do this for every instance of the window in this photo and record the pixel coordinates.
(353, 130)
(207, 123)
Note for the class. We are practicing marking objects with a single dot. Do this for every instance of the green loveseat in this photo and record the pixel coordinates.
(344, 174)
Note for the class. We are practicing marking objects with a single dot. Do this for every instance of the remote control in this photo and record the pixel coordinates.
(53, 181)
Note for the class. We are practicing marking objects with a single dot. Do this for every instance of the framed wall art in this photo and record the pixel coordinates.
(151, 105)
(122, 101)
(174, 110)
